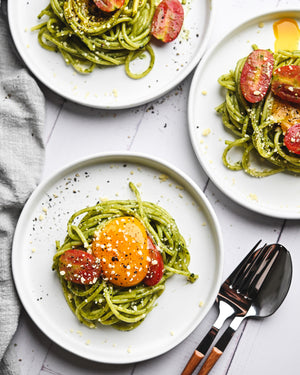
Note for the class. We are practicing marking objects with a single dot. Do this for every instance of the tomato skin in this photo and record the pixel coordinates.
(109, 5)
(79, 267)
(150, 243)
(156, 267)
(256, 75)
(292, 139)
(167, 20)
(286, 83)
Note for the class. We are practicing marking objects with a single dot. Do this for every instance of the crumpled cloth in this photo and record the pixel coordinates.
(22, 116)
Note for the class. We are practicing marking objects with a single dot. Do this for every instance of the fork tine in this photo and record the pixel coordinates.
(244, 281)
(240, 269)
(254, 277)
(262, 273)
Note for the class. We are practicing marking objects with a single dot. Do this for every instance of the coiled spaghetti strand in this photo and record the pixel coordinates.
(87, 38)
(104, 303)
(257, 133)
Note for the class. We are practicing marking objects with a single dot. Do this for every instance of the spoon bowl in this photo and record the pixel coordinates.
(275, 286)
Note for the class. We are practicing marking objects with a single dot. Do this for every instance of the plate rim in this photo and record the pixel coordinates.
(134, 157)
(198, 71)
(147, 99)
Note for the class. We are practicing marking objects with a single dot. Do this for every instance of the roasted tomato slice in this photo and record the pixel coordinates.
(285, 114)
(286, 83)
(292, 139)
(156, 267)
(256, 75)
(109, 5)
(79, 267)
(167, 20)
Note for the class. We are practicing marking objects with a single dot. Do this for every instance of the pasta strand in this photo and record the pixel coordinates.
(87, 38)
(257, 134)
(107, 304)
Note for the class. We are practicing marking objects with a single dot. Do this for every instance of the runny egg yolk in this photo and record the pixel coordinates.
(122, 248)
(287, 34)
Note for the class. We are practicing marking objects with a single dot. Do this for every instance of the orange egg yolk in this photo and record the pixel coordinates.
(287, 34)
(122, 248)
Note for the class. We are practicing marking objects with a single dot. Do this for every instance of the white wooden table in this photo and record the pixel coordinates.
(259, 347)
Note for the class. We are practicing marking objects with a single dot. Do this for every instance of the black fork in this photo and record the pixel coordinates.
(234, 297)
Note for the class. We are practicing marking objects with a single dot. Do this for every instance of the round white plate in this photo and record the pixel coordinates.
(179, 309)
(110, 88)
(277, 195)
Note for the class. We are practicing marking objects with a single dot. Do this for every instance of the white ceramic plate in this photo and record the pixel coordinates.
(83, 183)
(110, 88)
(277, 195)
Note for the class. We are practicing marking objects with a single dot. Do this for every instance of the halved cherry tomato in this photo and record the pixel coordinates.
(109, 5)
(167, 20)
(285, 114)
(156, 267)
(286, 83)
(256, 75)
(292, 139)
(79, 267)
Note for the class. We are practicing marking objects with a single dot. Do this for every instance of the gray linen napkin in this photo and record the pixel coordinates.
(21, 159)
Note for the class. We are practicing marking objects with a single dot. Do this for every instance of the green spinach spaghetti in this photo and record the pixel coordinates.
(116, 258)
(262, 127)
(87, 38)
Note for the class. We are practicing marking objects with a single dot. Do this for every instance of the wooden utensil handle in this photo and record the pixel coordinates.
(192, 363)
(210, 361)
(218, 349)
(200, 352)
